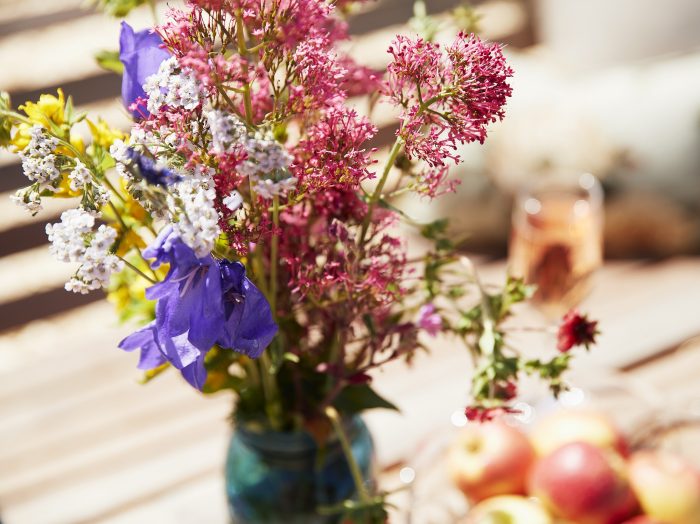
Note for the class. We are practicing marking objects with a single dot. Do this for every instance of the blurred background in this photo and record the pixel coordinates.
(610, 87)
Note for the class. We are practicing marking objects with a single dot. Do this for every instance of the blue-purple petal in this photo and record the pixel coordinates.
(195, 373)
(200, 303)
(249, 326)
(144, 339)
(141, 53)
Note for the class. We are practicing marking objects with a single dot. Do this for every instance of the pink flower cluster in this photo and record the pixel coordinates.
(447, 98)
(333, 152)
(319, 76)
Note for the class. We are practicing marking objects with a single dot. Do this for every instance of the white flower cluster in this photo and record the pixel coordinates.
(267, 163)
(267, 166)
(73, 240)
(98, 263)
(264, 156)
(119, 152)
(81, 180)
(173, 87)
(198, 224)
(233, 201)
(68, 236)
(29, 198)
(38, 160)
(268, 188)
(226, 130)
(79, 177)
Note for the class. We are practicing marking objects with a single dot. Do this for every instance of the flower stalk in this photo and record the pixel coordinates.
(337, 424)
(377, 193)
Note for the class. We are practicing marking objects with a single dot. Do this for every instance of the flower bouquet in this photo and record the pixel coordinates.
(248, 226)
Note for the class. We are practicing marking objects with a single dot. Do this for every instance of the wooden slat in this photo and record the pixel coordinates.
(87, 90)
(86, 502)
(29, 272)
(40, 305)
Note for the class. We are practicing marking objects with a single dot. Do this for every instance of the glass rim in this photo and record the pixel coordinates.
(579, 181)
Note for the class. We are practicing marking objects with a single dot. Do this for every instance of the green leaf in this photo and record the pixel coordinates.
(435, 229)
(109, 60)
(466, 18)
(5, 123)
(68, 111)
(354, 399)
(369, 322)
(118, 8)
(487, 341)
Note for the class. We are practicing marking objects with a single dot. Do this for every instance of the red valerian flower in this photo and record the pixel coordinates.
(486, 414)
(333, 154)
(447, 97)
(319, 75)
(576, 330)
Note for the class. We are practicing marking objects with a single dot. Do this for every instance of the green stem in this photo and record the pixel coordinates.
(113, 189)
(118, 215)
(243, 51)
(127, 228)
(274, 248)
(334, 417)
(137, 270)
(16, 116)
(272, 406)
(376, 195)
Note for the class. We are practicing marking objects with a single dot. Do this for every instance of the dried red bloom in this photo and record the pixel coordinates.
(486, 414)
(576, 330)
(507, 390)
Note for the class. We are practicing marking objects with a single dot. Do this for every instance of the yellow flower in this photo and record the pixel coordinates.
(77, 142)
(21, 138)
(49, 109)
(64, 190)
(130, 239)
(103, 135)
(50, 113)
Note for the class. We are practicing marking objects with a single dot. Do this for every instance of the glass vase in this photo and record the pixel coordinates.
(283, 477)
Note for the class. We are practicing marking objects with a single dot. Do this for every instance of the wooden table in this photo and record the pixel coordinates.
(81, 441)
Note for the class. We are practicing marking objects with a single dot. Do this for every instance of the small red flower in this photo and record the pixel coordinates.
(576, 330)
(486, 414)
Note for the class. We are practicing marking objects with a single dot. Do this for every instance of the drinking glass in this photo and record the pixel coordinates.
(556, 239)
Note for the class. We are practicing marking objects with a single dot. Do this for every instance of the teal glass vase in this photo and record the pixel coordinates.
(276, 477)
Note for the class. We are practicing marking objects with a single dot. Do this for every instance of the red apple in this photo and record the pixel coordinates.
(512, 509)
(490, 459)
(642, 519)
(667, 487)
(585, 484)
(577, 425)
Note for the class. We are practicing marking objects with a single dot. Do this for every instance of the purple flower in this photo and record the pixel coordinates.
(150, 171)
(249, 326)
(429, 320)
(141, 54)
(201, 302)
